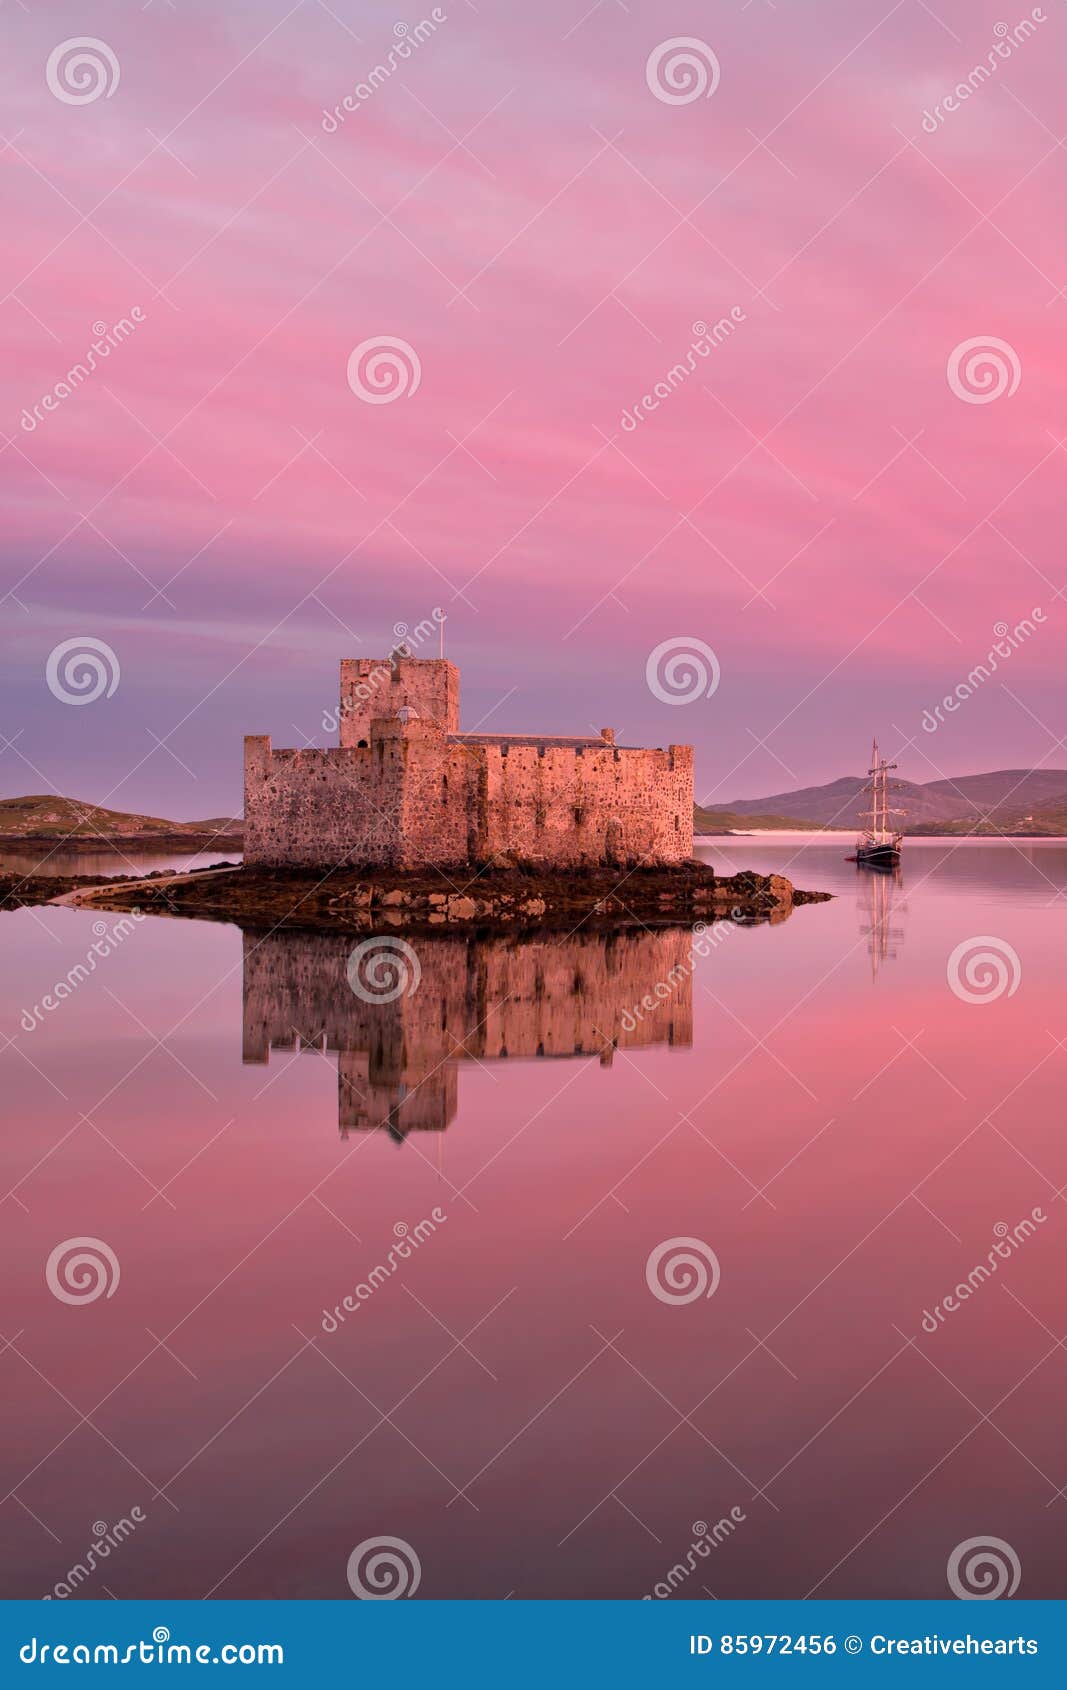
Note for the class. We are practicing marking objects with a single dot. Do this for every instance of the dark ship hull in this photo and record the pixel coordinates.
(878, 855)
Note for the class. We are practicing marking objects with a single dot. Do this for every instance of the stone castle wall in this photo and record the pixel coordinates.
(313, 807)
(405, 789)
(588, 805)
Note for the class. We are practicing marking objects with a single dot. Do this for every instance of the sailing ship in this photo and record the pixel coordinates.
(879, 843)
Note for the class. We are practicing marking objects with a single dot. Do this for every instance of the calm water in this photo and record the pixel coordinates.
(66, 859)
(812, 1102)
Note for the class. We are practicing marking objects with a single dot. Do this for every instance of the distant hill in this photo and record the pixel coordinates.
(42, 816)
(216, 824)
(1003, 801)
(1008, 801)
(729, 821)
(1037, 823)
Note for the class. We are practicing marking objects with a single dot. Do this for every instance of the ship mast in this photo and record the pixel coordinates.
(880, 842)
(878, 814)
(872, 815)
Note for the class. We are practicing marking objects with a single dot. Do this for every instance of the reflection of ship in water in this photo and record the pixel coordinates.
(476, 1000)
(879, 901)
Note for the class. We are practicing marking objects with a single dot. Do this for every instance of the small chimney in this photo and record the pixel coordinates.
(608, 735)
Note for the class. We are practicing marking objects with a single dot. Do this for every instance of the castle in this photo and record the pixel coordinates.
(405, 789)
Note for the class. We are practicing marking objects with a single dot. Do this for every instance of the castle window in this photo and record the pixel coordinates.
(579, 815)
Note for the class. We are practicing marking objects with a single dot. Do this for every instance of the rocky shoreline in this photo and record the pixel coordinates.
(351, 899)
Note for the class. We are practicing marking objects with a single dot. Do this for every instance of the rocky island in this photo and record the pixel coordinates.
(497, 896)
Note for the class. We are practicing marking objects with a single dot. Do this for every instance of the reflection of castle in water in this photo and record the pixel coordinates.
(481, 1000)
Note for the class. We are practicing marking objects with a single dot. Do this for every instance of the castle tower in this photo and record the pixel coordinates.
(425, 687)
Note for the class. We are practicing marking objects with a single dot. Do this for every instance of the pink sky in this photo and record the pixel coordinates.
(516, 204)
